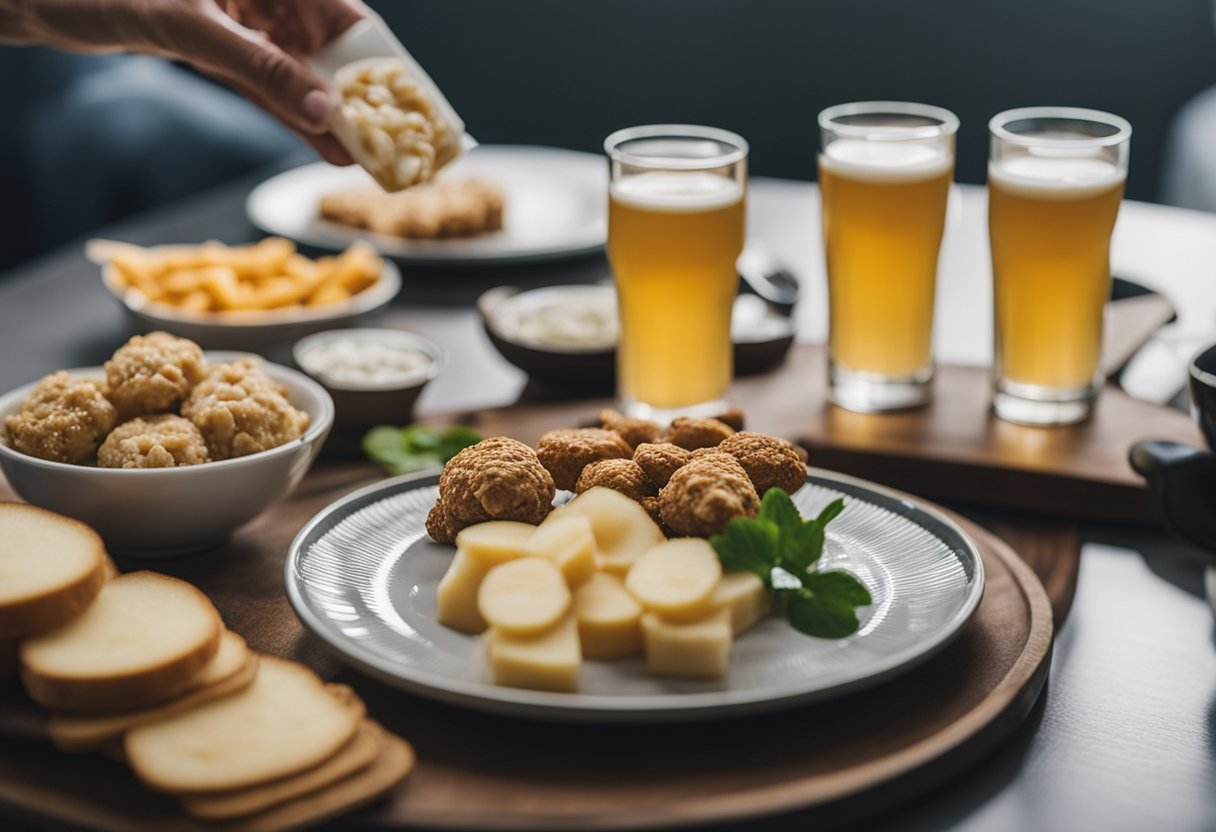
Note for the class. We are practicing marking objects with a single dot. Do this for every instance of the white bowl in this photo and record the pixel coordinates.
(162, 512)
(251, 329)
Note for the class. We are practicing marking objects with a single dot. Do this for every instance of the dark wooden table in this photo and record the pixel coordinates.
(1125, 735)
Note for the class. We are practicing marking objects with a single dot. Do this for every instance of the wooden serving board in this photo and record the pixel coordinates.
(953, 449)
(476, 771)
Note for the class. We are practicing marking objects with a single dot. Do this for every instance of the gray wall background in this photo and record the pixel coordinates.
(568, 72)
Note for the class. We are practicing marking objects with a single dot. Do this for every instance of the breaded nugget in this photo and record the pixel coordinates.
(769, 462)
(163, 441)
(634, 431)
(660, 460)
(623, 475)
(240, 411)
(565, 453)
(692, 434)
(153, 373)
(496, 479)
(706, 494)
(651, 504)
(733, 417)
(63, 419)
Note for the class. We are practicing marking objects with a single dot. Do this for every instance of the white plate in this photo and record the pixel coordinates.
(556, 206)
(363, 574)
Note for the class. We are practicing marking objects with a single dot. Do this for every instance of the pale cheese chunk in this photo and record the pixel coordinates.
(744, 595)
(609, 619)
(549, 661)
(622, 528)
(690, 650)
(457, 595)
(676, 578)
(569, 542)
(479, 549)
(523, 597)
(496, 541)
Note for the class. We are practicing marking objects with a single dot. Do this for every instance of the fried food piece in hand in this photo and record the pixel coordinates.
(634, 431)
(565, 453)
(769, 462)
(63, 419)
(496, 479)
(623, 475)
(163, 441)
(692, 434)
(660, 460)
(240, 410)
(706, 494)
(153, 373)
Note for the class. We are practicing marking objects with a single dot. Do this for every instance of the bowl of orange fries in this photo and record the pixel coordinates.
(243, 297)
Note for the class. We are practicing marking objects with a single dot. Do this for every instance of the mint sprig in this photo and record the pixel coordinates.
(820, 604)
(415, 448)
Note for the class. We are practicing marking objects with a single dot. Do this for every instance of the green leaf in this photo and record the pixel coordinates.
(748, 545)
(383, 441)
(777, 507)
(826, 606)
(406, 463)
(454, 440)
(419, 439)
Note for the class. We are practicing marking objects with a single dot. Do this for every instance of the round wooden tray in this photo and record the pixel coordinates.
(838, 761)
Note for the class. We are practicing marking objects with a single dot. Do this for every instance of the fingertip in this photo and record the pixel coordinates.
(316, 108)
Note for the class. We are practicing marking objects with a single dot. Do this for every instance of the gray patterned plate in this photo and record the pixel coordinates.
(363, 573)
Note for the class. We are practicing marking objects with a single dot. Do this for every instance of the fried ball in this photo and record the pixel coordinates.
(623, 475)
(733, 417)
(706, 494)
(633, 431)
(651, 504)
(240, 411)
(496, 479)
(769, 462)
(163, 441)
(63, 419)
(565, 453)
(692, 434)
(660, 460)
(153, 373)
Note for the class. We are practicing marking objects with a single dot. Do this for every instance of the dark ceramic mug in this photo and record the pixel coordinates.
(1182, 479)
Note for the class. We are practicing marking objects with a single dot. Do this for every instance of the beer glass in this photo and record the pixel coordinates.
(675, 229)
(1055, 180)
(885, 169)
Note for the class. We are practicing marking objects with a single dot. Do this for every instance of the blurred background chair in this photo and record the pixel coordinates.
(566, 74)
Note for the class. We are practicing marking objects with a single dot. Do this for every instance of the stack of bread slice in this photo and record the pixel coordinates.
(140, 666)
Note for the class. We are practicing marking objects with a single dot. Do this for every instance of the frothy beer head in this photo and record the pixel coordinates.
(677, 192)
(1054, 177)
(885, 161)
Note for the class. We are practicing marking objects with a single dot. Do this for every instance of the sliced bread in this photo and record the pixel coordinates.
(51, 569)
(394, 764)
(140, 643)
(363, 748)
(285, 722)
(83, 732)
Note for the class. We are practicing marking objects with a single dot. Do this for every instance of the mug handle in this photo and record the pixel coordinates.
(1182, 482)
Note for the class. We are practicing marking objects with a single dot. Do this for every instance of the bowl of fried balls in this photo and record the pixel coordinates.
(164, 449)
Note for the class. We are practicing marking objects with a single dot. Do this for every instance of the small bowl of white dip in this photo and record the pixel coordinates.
(375, 376)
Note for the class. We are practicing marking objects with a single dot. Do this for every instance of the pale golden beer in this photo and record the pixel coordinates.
(673, 241)
(1053, 195)
(882, 231)
(884, 177)
(676, 225)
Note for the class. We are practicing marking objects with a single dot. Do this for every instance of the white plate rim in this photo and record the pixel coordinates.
(603, 708)
(326, 235)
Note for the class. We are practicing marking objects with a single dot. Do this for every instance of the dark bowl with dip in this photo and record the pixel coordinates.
(374, 376)
(538, 331)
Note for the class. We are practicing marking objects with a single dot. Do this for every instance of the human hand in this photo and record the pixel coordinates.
(257, 47)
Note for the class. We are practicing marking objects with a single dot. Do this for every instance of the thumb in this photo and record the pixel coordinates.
(279, 82)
